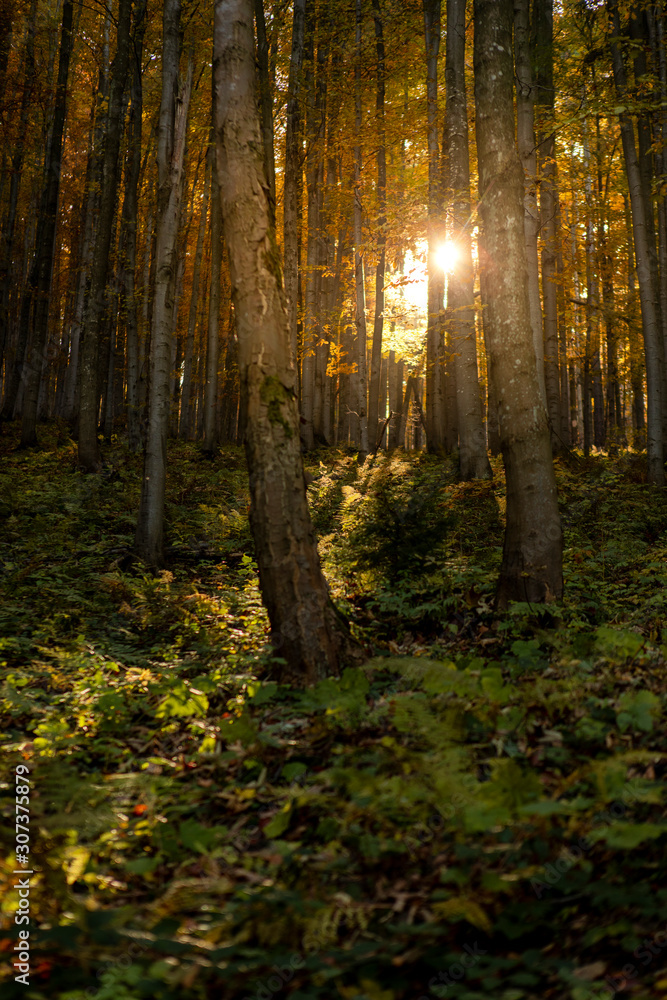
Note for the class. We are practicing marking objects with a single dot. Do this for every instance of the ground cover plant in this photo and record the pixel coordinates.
(477, 811)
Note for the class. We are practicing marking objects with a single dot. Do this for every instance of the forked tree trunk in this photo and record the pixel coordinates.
(473, 459)
(532, 554)
(307, 631)
(172, 125)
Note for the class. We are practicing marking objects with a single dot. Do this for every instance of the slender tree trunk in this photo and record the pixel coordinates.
(172, 129)
(129, 230)
(381, 239)
(648, 293)
(46, 236)
(213, 341)
(310, 635)
(473, 459)
(532, 555)
(293, 175)
(435, 429)
(266, 109)
(546, 147)
(185, 423)
(525, 130)
(89, 452)
(361, 399)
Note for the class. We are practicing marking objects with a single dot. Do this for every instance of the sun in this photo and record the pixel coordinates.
(447, 256)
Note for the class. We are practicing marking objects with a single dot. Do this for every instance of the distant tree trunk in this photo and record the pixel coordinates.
(185, 423)
(293, 174)
(546, 145)
(42, 272)
(28, 80)
(310, 636)
(265, 105)
(89, 452)
(648, 293)
(532, 554)
(172, 129)
(381, 239)
(473, 459)
(129, 228)
(361, 399)
(525, 129)
(436, 288)
(213, 340)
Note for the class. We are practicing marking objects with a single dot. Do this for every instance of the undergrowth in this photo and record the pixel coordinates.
(477, 812)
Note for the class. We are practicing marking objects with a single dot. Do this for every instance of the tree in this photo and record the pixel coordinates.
(532, 554)
(42, 271)
(309, 634)
(473, 459)
(174, 105)
(648, 292)
(89, 452)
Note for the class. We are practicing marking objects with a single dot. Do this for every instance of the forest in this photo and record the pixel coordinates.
(333, 519)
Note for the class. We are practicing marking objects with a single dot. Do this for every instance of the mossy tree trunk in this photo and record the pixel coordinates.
(307, 630)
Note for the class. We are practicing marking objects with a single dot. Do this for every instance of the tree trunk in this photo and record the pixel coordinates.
(546, 147)
(381, 239)
(435, 409)
(89, 452)
(129, 229)
(648, 293)
(185, 423)
(525, 132)
(172, 129)
(473, 459)
(293, 175)
(266, 111)
(361, 399)
(532, 555)
(45, 245)
(309, 634)
(213, 341)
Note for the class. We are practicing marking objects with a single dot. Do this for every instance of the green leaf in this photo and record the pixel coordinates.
(638, 710)
(628, 835)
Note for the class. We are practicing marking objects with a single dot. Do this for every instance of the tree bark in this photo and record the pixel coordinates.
(172, 126)
(648, 293)
(42, 271)
(435, 436)
(525, 131)
(293, 175)
(89, 452)
(381, 239)
(361, 399)
(129, 228)
(532, 554)
(210, 442)
(310, 636)
(473, 459)
(546, 148)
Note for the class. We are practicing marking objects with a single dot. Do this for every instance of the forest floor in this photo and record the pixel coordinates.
(479, 812)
